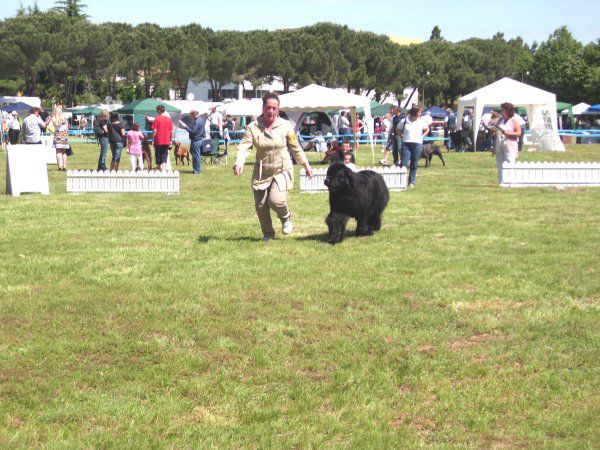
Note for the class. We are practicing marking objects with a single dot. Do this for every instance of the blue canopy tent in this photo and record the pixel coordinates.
(19, 107)
(594, 109)
(436, 112)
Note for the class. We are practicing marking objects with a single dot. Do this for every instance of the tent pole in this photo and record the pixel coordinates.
(353, 125)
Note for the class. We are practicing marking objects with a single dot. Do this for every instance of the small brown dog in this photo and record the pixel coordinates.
(181, 152)
(147, 154)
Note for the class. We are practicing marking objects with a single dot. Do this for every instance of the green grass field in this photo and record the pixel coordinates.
(145, 320)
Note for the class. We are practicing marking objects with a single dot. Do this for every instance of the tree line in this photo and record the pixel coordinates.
(60, 56)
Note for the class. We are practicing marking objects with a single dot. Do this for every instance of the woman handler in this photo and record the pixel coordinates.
(507, 131)
(272, 177)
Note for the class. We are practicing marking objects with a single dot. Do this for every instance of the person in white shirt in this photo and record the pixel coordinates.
(318, 143)
(485, 119)
(14, 128)
(386, 123)
(412, 130)
(33, 126)
(386, 145)
(207, 126)
(336, 120)
(344, 128)
(427, 118)
(467, 129)
(216, 123)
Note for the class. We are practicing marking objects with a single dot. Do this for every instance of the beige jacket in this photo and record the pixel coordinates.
(272, 158)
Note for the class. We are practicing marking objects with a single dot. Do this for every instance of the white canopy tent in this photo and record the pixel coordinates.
(320, 98)
(110, 107)
(243, 107)
(578, 109)
(188, 105)
(540, 106)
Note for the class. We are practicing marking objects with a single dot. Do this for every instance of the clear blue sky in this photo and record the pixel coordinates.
(533, 20)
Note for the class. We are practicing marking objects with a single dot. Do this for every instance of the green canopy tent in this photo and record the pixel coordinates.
(377, 109)
(90, 110)
(139, 108)
(561, 106)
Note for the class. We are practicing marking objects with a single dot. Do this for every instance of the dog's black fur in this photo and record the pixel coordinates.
(428, 151)
(363, 195)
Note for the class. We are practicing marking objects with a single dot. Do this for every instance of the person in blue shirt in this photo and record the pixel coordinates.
(197, 134)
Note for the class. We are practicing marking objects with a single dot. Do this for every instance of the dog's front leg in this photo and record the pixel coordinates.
(336, 223)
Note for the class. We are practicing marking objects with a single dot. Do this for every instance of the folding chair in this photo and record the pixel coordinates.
(210, 152)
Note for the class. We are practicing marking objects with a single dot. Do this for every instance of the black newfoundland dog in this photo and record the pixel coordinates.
(361, 195)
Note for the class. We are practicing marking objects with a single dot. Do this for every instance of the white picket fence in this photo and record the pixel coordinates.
(79, 181)
(566, 174)
(396, 178)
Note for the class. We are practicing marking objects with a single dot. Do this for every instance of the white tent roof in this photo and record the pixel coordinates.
(243, 107)
(515, 92)
(109, 107)
(578, 109)
(320, 98)
(187, 105)
(508, 90)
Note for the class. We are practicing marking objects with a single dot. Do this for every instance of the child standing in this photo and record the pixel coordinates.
(134, 147)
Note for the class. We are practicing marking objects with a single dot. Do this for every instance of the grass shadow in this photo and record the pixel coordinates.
(207, 239)
(322, 237)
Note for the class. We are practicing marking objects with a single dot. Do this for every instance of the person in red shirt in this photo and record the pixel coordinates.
(163, 128)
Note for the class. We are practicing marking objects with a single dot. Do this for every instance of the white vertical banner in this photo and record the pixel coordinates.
(26, 169)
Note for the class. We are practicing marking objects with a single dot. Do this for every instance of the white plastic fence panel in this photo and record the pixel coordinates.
(565, 174)
(396, 178)
(79, 181)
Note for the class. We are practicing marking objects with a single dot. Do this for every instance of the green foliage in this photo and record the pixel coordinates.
(129, 92)
(72, 8)
(436, 34)
(60, 55)
(10, 87)
(559, 66)
(88, 98)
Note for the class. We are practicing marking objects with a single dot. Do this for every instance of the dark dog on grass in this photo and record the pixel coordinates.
(428, 151)
(147, 154)
(363, 195)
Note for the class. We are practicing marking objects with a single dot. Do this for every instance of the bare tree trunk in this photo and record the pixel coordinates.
(213, 89)
(148, 88)
(33, 86)
(182, 89)
(113, 86)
